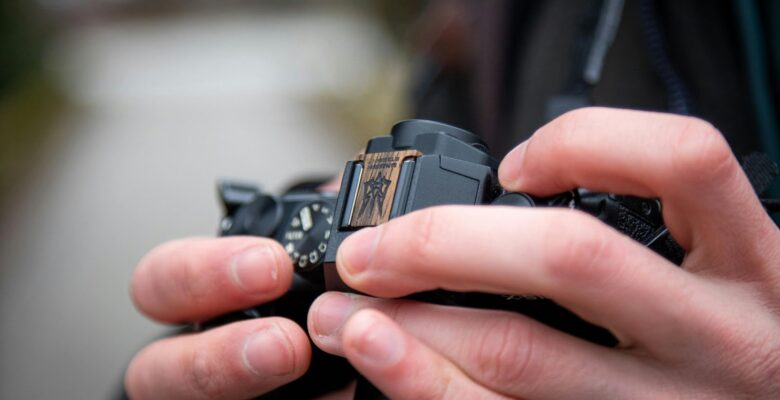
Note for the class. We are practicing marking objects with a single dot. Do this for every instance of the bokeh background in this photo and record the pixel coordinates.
(116, 119)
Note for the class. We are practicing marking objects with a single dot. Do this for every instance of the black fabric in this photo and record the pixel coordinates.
(541, 40)
(760, 170)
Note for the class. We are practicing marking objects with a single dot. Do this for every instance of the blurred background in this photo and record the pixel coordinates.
(116, 119)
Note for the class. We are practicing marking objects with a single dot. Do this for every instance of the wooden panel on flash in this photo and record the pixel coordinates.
(377, 186)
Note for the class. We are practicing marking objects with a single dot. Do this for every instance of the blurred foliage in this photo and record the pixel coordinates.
(21, 42)
(398, 16)
(28, 97)
(27, 115)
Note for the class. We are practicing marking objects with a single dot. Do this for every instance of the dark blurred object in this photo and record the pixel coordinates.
(518, 55)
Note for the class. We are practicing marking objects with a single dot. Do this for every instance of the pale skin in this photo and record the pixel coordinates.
(710, 329)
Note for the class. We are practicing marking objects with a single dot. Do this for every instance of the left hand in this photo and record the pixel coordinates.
(710, 329)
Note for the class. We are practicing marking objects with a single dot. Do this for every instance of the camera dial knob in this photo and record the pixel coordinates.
(306, 234)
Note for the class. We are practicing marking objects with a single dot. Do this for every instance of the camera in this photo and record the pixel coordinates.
(419, 164)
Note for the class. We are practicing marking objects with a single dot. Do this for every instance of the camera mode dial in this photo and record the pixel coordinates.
(306, 233)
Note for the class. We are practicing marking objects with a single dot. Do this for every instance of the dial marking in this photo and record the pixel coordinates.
(306, 220)
(306, 237)
(293, 235)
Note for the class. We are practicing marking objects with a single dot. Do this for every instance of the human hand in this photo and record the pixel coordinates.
(198, 279)
(710, 329)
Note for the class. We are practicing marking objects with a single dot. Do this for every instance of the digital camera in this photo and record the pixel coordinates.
(419, 164)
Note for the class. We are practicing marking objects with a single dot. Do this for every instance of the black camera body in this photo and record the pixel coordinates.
(419, 164)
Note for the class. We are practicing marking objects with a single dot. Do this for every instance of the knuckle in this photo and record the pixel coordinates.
(743, 343)
(442, 389)
(398, 311)
(569, 134)
(567, 130)
(753, 358)
(570, 124)
(167, 276)
(505, 356)
(579, 251)
(763, 363)
(572, 118)
(423, 236)
(191, 284)
(701, 152)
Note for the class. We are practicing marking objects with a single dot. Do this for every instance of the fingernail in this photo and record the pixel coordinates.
(255, 270)
(268, 352)
(378, 342)
(510, 174)
(331, 312)
(356, 252)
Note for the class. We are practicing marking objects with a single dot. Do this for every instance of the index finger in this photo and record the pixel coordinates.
(199, 278)
(683, 161)
(567, 256)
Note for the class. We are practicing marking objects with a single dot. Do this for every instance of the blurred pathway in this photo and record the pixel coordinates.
(165, 107)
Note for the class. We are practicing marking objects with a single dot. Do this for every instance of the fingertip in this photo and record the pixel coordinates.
(142, 282)
(150, 276)
(239, 360)
(372, 340)
(298, 338)
(327, 316)
(276, 280)
(280, 348)
(196, 279)
(301, 344)
(132, 382)
(143, 373)
(399, 364)
(258, 269)
(356, 252)
(510, 171)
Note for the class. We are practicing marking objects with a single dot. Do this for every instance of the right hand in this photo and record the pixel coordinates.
(198, 279)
